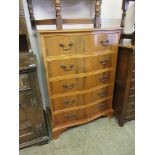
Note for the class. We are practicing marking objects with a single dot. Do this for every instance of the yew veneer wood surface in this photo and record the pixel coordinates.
(80, 71)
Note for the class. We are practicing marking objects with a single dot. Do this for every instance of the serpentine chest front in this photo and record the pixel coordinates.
(80, 71)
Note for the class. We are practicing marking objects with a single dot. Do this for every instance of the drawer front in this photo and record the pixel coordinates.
(100, 62)
(81, 65)
(68, 44)
(131, 99)
(130, 114)
(65, 86)
(105, 41)
(132, 84)
(26, 132)
(24, 83)
(64, 67)
(102, 93)
(133, 74)
(67, 102)
(77, 84)
(130, 106)
(98, 108)
(81, 99)
(131, 91)
(68, 117)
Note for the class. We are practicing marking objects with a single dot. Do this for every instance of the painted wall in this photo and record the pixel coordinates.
(110, 17)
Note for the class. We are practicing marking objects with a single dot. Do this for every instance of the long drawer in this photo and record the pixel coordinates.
(82, 98)
(63, 44)
(77, 84)
(81, 65)
(72, 116)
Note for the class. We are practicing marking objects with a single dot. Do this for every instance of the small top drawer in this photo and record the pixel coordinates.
(24, 83)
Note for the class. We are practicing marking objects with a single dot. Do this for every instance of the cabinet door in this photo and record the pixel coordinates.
(31, 121)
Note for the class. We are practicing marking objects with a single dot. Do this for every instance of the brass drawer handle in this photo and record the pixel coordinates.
(69, 117)
(105, 43)
(68, 86)
(105, 61)
(104, 78)
(67, 69)
(64, 47)
(67, 102)
(102, 94)
(101, 106)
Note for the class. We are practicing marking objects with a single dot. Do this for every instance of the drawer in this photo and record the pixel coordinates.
(68, 117)
(81, 99)
(100, 62)
(131, 91)
(130, 106)
(24, 83)
(81, 65)
(65, 67)
(129, 114)
(131, 99)
(77, 84)
(98, 108)
(105, 41)
(65, 86)
(68, 44)
(133, 74)
(132, 83)
(67, 102)
(26, 132)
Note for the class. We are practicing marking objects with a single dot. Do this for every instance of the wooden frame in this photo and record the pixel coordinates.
(58, 21)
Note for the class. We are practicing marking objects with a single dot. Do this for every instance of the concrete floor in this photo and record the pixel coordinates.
(100, 137)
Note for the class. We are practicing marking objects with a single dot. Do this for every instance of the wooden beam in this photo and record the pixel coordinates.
(65, 21)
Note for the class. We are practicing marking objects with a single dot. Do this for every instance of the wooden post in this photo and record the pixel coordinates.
(97, 20)
(58, 14)
(30, 8)
(124, 9)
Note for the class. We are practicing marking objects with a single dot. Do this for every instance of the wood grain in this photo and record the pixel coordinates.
(80, 72)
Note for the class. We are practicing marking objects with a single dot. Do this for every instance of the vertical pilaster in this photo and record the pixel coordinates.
(30, 8)
(97, 20)
(58, 14)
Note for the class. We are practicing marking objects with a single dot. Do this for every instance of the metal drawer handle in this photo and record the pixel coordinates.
(105, 61)
(101, 106)
(69, 117)
(68, 86)
(105, 43)
(104, 78)
(65, 68)
(102, 94)
(64, 47)
(67, 102)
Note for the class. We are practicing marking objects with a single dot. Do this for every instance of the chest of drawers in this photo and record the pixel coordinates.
(124, 94)
(80, 72)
